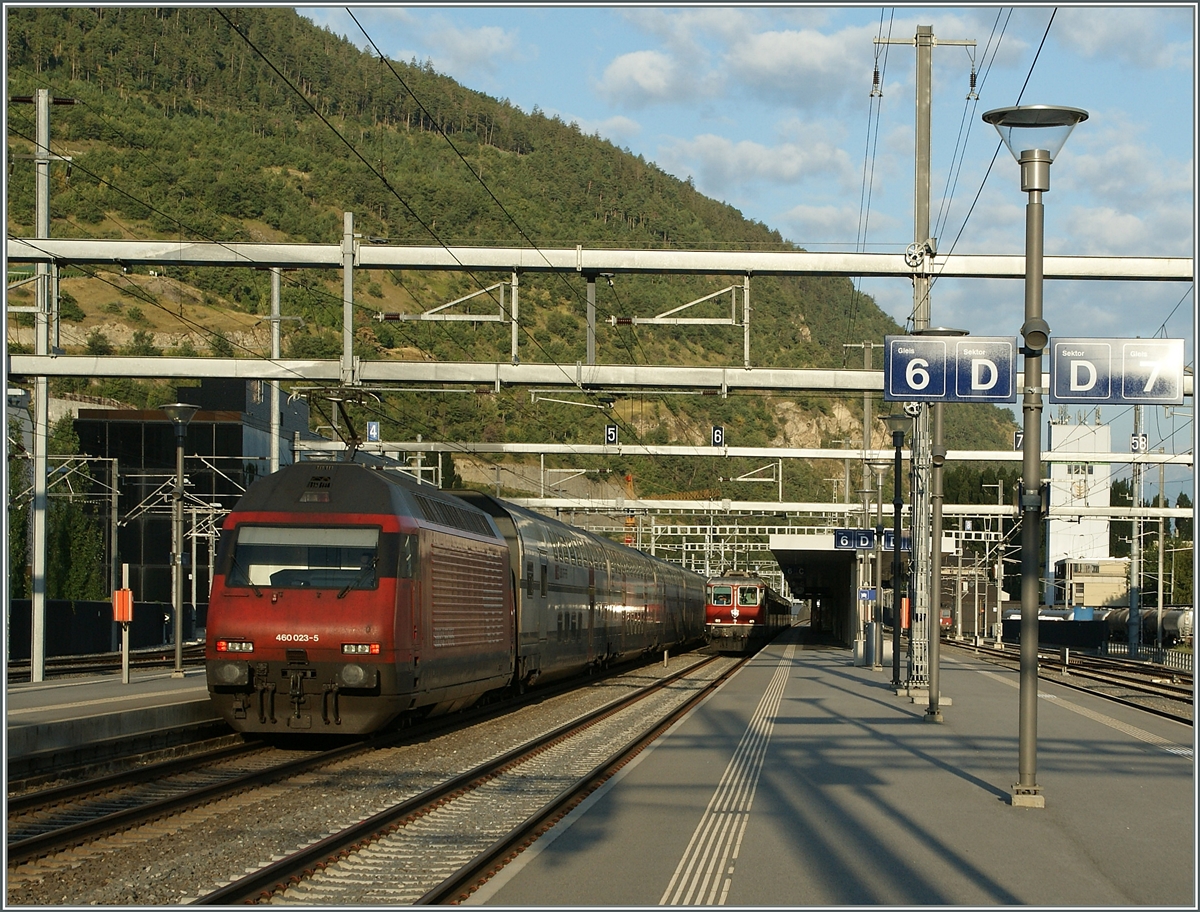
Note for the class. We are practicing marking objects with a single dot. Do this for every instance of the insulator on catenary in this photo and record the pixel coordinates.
(972, 95)
(876, 91)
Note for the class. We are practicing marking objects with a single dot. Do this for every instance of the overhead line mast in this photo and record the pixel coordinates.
(923, 637)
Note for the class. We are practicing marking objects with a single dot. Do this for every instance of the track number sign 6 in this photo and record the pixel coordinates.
(949, 369)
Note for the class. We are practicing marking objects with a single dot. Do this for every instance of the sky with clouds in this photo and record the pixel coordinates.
(769, 109)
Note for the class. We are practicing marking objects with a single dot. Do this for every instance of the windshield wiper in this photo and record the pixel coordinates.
(245, 575)
(358, 578)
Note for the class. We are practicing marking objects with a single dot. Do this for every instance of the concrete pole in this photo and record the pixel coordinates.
(41, 393)
(276, 273)
(516, 324)
(177, 557)
(113, 525)
(591, 318)
(877, 614)
(347, 298)
(1134, 628)
(958, 598)
(933, 712)
(124, 630)
(897, 508)
(1162, 502)
(746, 320)
(923, 583)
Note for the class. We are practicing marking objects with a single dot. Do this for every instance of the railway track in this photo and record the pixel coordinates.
(99, 663)
(1153, 689)
(439, 845)
(44, 822)
(53, 820)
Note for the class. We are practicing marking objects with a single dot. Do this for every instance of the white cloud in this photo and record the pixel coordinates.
(687, 28)
(1139, 35)
(465, 52)
(721, 163)
(642, 78)
(804, 68)
(618, 130)
(839, 226)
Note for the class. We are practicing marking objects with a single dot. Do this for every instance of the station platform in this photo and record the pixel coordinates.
(806, 781)
(61, 722)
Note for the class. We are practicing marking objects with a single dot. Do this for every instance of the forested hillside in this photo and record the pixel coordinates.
(253, 124)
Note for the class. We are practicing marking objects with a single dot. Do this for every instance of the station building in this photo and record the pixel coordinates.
(227, 446)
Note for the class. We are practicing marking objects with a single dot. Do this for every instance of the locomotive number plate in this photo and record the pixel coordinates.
(297, 638)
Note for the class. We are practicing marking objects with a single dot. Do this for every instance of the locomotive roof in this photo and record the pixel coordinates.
(343, 487)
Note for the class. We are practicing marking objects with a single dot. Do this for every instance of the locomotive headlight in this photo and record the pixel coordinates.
(353, 675)
(235, 646)
(231, 673)
(360, 649)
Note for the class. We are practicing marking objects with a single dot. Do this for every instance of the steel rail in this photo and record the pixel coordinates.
(36, 800)
(278, 875)
(1043, 667)
(488, 863)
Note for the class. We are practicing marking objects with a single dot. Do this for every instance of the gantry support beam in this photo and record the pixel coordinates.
(528, 259)
(650, 449)
(495, 375)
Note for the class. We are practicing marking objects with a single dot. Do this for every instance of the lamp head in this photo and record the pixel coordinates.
(1029, 128)
(180, 414)
(897, 424)
(940, 331)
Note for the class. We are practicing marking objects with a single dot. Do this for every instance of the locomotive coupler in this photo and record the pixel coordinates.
(296, 691)
(330, 696)
(266, 703)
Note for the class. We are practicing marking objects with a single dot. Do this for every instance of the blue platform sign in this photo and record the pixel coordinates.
(949, 369)
(373, 431)
(1117, 371)
(853, 539)
(889, 541)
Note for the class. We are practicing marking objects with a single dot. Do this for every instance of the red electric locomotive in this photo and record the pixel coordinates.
(344, 596)
(742, 612)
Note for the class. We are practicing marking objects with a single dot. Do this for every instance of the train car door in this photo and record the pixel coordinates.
(543, 602)
(591, 616)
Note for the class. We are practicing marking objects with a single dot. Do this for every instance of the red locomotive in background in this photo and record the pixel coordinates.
(742, 612)
(344, 596)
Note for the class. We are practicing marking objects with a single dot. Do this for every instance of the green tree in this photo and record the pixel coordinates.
(1184, 527)
(98, 344)
(75, 552)
(220, 347)
(19, 513)
(451, 480)
(69, 309)
(1120, 531)
(142, 345)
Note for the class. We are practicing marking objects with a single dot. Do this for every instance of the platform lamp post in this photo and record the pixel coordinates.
(876, 625)
(1034, 134)
(899, 425)
(180, 414)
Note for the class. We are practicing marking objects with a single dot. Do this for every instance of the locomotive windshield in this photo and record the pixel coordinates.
(721, 595)
(747, 596)
(305, 556)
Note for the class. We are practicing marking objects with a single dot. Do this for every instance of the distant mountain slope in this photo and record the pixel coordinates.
(183, 130)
